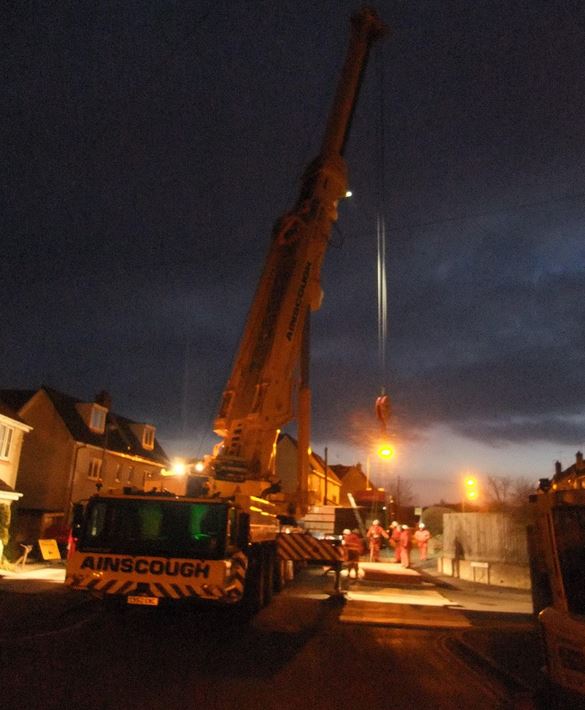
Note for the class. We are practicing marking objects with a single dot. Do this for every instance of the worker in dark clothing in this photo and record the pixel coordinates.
(352, 549)
(405, 546)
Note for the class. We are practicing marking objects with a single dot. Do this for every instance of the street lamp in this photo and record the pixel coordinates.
(470, 491)
(384, 451)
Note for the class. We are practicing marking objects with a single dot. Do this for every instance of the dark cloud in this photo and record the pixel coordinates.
(148, 150)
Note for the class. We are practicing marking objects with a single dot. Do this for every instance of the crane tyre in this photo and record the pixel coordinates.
(253, 599)
(268, 560)
(278, 584)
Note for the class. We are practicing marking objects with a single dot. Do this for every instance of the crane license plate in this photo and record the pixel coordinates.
(147, 601)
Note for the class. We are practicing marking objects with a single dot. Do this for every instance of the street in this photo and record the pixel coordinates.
(400, 640)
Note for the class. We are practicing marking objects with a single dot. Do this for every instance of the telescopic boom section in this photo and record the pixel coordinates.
(258, 398)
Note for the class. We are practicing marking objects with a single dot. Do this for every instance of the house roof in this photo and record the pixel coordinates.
(4, 487)
(341, 471)
(118, 436)
(9, 410)
(576, 470)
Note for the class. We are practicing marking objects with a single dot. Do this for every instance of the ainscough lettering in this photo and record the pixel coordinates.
(140, 565)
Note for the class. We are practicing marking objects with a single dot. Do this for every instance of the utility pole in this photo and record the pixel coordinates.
(326, 466)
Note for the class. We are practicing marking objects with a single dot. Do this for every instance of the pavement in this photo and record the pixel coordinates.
(33, 578)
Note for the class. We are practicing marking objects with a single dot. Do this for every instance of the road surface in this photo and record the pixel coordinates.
(399, 642)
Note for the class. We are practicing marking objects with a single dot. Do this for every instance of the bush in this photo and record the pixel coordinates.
(4, 523)
(433, 518)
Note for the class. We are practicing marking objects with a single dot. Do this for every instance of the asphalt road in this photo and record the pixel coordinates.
(397, 642)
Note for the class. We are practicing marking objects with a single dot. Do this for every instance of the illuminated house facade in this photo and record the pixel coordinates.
(322, 480)
(74, 448)
(12, 432)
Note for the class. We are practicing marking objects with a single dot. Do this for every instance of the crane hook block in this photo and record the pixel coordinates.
(383, 409)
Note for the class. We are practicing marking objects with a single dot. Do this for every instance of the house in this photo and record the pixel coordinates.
(12, 432)
(353, 481)
(75, 447)
(571, 477)
(323, 484)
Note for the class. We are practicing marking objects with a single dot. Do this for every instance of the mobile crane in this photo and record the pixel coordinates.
(257, 400)
(219, 541)
(556, 540)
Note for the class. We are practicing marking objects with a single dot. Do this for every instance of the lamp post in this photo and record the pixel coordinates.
(71, 482)
(385, 452)
(368, 472)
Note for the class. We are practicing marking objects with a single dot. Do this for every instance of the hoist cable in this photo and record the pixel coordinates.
(382, 296)
(381, 231)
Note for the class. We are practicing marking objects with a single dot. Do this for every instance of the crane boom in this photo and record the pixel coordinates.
(257, 400)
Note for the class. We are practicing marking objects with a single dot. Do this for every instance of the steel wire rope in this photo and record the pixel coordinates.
(381, 230)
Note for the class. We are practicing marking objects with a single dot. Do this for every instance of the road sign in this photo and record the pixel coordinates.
(49, 549)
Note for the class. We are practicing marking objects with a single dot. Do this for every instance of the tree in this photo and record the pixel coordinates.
(4, 527)
(507, 493)
(522, 489)
(400, 490)
(432, 517)
(498, 492)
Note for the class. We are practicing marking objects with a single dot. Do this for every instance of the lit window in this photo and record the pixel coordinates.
(5, 440)
(97, 421)
(95, 467)
(148, 438)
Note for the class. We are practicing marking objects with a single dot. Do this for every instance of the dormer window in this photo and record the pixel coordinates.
(148, 437)
(5, 441)
(144, 434)
(97, 420)
(94, 415)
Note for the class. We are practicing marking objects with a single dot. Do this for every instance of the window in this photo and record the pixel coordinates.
(130, 474)
(148, 438)
(95, 467)
(118, 472)
(5, 440)
(155, 527)
(97, 420)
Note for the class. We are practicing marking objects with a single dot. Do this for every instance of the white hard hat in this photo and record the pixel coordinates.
(347, 531)
(376, 522)
(405, 527)
(421, 525)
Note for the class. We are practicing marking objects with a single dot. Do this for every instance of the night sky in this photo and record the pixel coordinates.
(149, 147)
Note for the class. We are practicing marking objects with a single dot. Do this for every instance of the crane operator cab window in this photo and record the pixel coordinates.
(155, 527)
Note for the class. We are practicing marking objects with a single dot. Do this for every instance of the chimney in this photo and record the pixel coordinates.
(579, 462)
(105, 399)
(558, 468)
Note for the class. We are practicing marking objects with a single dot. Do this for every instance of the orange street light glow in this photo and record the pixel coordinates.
(471, 488)
(385, 451)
